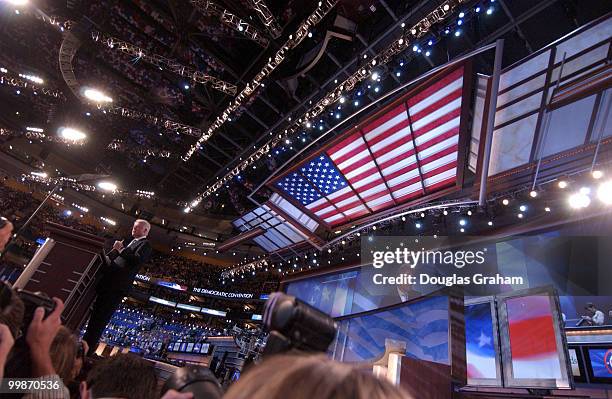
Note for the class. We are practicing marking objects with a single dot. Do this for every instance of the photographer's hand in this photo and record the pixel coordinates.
(6, 344)
(173, 394)
(41, 333)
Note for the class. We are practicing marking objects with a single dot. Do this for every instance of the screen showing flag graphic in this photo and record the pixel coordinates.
(408, 152)
(480, 342)
(423, 326)
(533, 342)
(601, 362)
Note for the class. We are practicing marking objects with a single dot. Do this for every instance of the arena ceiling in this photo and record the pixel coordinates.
(180, 30)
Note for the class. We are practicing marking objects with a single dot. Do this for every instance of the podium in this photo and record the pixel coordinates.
(65, 266)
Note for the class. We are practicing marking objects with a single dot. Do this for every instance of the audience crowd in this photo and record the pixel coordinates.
(148, 331)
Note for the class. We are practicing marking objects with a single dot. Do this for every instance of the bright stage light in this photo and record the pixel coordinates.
(72, 134)
(375, 76)
(579, 200)
(533, 194)
(562, 184)
(18, 2)
(107, 186)
(39, 174)
(604, 193)
(505, 201)
(97, 96)
(597, 174)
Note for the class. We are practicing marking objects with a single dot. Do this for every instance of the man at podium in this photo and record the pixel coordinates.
(118, 271)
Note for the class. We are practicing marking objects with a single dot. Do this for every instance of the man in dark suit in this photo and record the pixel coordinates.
(118, 271)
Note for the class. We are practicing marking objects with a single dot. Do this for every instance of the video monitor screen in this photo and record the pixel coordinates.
(531, 332)
(183, 347)
(480, 345)
(177, 346)
(600, 362)
(204, 349)
(190, 347)
(197, 347)
(171, 346)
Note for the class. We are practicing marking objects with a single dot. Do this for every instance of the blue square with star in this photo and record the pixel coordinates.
(298, 188)
(321, 172)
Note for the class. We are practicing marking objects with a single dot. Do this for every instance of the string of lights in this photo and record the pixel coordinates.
(104, 186)
(38, 134)
(207, 7)
(251, 266)
(28, 82)
(266, 17)
(408, 38)
(168, 124)
(273, 62)
(120, 146)
(163, 62)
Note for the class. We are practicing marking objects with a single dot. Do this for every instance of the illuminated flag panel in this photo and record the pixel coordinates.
(409, 152)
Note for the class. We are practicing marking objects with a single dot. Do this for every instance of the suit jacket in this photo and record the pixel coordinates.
(121, 267)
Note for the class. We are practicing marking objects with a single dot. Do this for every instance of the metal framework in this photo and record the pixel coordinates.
(38, 136)
(266, 17)
(273, 62)
(121, 146)
(417, 31)
(164, 63)
(208, 7)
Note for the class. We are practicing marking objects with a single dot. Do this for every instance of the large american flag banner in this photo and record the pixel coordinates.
(408, 152)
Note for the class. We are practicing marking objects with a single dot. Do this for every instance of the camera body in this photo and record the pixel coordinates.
(33, 300)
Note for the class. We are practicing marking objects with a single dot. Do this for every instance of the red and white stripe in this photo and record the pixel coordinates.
(435, 116)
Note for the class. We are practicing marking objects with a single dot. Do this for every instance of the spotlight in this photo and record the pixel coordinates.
(356, 103)
(107, 186)
(342, 100)
(490, 223)
(462, 222)
(547, 209)
(462, 230)
(18, 2)
(579, 200)
(39, 174)
(377, 89)
(458, 33)
(520, 215)
(604, 193)
(186, 87)
(461, 14)
(445, 212)
(477, 9)
(375, 76)
(489, 10)
(469, 213)
(97, 96)
(597, 174)
(522, 208)
(415, 48)
(533, 193)
(562, 184)
(427, 53)
(72, 134)
(505, 201)
(418, 225)
(309, 34)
